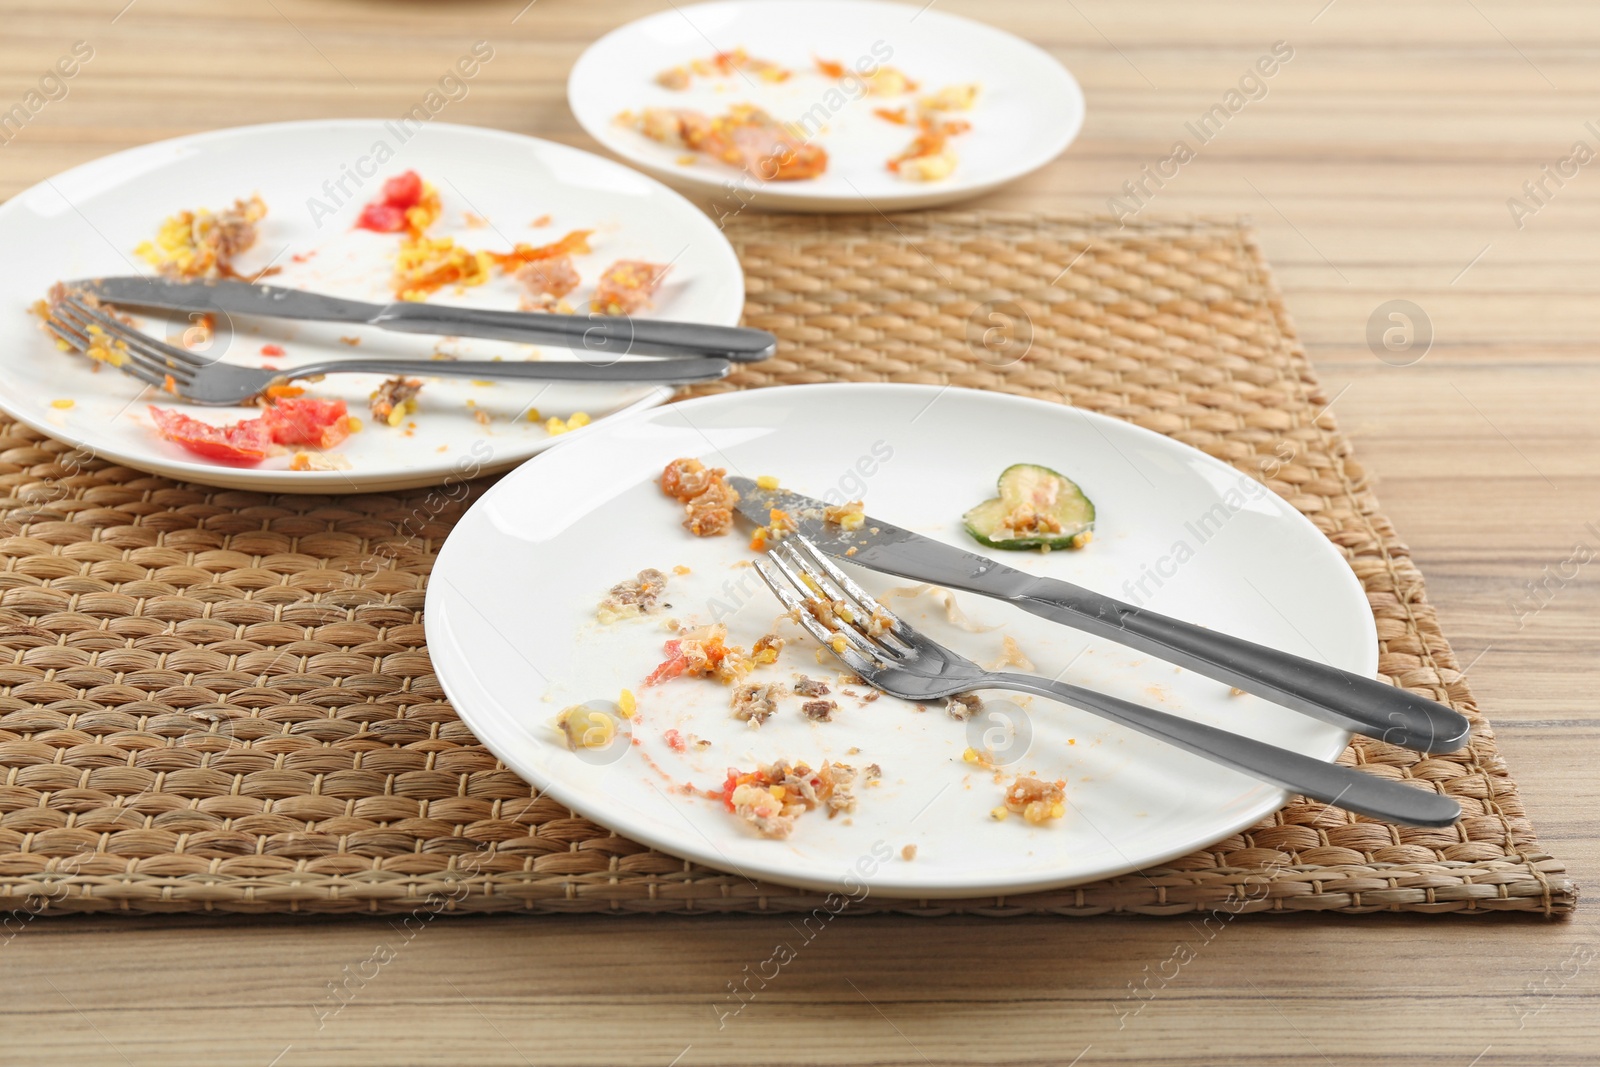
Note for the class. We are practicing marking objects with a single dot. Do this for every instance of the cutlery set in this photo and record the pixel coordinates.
(904, 663)
(601, 342)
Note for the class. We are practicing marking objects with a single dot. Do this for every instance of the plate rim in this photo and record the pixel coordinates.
(1273, 799)
(328, 483)
(785, 198)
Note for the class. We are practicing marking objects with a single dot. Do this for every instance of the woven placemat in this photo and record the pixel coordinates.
(216, 700)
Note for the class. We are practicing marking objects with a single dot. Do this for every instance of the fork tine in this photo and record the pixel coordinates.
(864, 607)
(787, 595)
(81, 344)
(129, 340)
(160, 349)
(862, 642)
(802, 545)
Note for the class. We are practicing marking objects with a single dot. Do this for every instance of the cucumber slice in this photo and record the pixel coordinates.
(1036, 508)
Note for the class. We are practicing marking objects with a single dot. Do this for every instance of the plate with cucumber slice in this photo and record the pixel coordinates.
(517, 636)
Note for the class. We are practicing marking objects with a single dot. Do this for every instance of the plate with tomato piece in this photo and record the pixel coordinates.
(364, 209)
(825, 105)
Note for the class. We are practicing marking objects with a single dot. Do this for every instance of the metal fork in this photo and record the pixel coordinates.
(202, 381)
(892, 656)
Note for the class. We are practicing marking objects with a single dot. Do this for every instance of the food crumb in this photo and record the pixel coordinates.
(819, 710)
(964, 706)
(63, 404)
(554, 426)
(351, 341)
(1035, 800)
(1235, 691)
(909, 852)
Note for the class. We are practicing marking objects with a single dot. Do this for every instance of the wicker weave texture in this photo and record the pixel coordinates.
(216, 700)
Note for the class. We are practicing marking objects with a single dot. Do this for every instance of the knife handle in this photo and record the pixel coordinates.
(598, 335)
(1364, 705)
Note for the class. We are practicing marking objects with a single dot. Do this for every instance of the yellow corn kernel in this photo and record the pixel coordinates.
(586, 727)
(554, 426)
(627, 703)
(838, 643)
(970, 756)
(579, 418)
(778, 792)
(767, 481)
(353, 424)
(533, 415)
(63, 404)
(998, 814)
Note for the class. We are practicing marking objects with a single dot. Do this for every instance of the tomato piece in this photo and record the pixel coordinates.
(674, 740)
(403, 190)
(242, 442)
(728, 786)
(272, 350)
(382, 218)
(675, 664)
(304, 420)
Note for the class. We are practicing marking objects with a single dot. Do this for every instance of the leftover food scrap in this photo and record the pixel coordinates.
(627, 286)
(633, 597)
(707, 497)
(301, 421)
(745, 137)
(1036, 508)
(203, 244)
(774, 795)
(586, 727)
(722, 65)
(407, 204)
(1035, 800)
(396, 398)
(755, 703)
(703, 652)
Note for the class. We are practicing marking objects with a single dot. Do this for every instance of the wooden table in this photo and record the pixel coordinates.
(1378, 166)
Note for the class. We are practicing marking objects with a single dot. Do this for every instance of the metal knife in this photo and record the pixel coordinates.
(1364, 705)
(607, 335)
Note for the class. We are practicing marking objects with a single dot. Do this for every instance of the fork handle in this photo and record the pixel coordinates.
(652, 371)
(1364, 705)
(1331, 783)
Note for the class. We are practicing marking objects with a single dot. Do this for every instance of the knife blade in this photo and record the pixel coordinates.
(1364, 705)
(605, 335)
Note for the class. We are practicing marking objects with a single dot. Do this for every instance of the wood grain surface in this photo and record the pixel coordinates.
(1378, 167)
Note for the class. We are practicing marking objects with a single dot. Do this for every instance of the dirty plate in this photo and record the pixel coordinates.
(1028, 108)
(512, 631)
(315, 177)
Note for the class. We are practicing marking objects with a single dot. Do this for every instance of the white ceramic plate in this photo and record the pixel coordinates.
(1030, 108)
(88, 221)
(512, 632)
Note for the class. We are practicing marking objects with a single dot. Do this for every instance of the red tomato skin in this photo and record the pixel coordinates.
(245, 442)
(403, 190)
(304, 420)
(382, 218)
